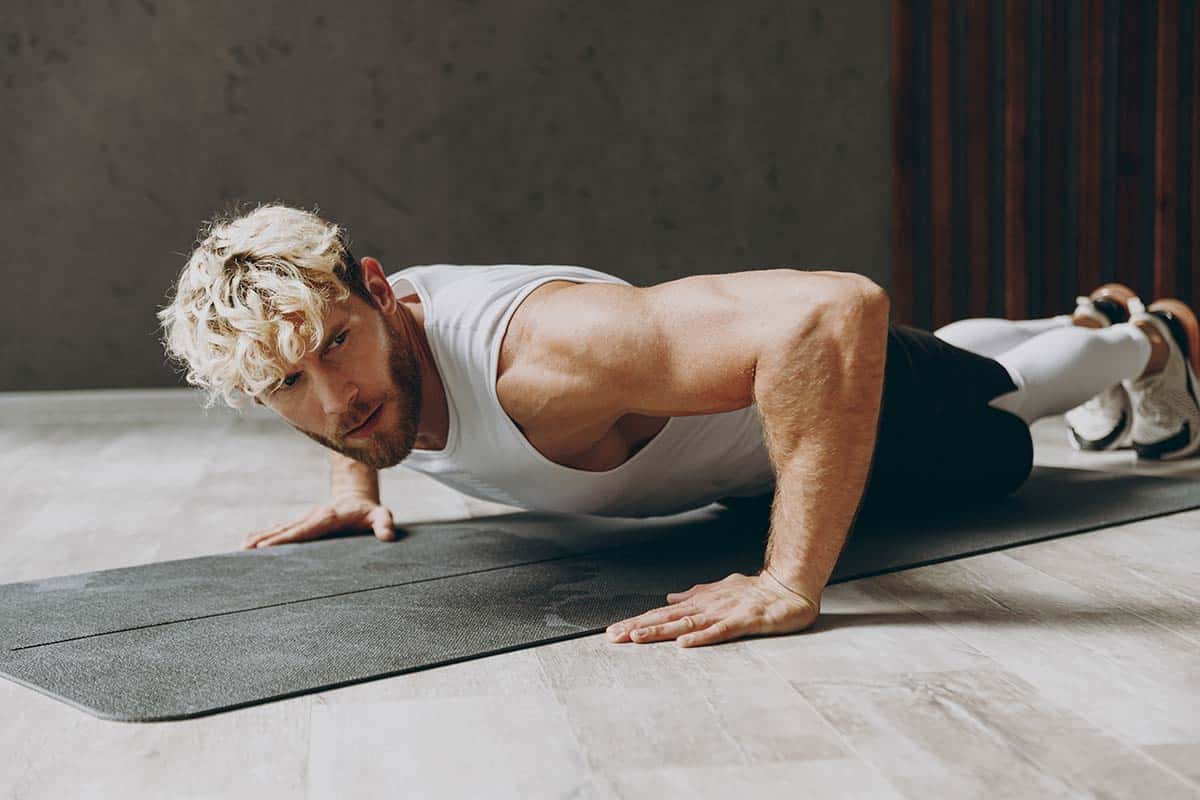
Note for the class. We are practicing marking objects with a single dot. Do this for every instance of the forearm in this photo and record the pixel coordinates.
(820, 406)
(349, 476)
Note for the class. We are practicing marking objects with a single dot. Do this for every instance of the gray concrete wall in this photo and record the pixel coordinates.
(649, 139)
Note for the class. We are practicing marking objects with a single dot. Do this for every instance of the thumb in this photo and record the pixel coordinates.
(381, 521)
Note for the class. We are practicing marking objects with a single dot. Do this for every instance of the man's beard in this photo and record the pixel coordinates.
(386, 447)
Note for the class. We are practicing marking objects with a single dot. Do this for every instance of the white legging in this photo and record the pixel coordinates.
(1055, 364)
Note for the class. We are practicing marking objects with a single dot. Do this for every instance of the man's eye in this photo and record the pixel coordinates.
(290, 380)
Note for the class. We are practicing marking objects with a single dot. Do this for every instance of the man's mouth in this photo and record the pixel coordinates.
(366, 425)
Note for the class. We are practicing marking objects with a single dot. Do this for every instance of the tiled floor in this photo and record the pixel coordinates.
(1065, 668)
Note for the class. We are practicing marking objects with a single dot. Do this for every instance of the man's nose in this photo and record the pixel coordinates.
(336, 394)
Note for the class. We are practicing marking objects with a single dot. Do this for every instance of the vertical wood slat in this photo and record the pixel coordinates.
(1015, 131)
(922, 200)
(1130, 158)
(996, 155)
(1035, 158)
(978, 132)
(1090, 120)
(940, 175)
(1054, 181)
(903, 153)
(1195, 141)
(1109, 53)
(958, 169)
(1166, 147)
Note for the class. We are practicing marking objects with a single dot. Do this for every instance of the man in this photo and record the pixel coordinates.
(565, 389)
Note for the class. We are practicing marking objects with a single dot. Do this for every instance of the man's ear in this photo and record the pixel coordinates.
(377, 283)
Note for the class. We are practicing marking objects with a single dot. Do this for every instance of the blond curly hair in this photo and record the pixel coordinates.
(253, 297)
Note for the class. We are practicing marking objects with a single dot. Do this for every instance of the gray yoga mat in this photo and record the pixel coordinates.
(185, 638)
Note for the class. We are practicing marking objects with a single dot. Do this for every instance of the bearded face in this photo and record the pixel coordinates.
(369, 368)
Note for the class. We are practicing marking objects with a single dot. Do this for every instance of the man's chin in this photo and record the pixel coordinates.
(376, 456)
(384, 449)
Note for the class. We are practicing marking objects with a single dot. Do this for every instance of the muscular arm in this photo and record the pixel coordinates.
(819, 400)
(807, 347)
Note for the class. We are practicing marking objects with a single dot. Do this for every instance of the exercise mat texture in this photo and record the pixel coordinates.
(185, 638)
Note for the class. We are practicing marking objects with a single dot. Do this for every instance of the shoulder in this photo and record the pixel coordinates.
(546, 377)
(556, 324)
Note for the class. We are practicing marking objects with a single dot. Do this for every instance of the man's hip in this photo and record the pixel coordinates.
(938, 439)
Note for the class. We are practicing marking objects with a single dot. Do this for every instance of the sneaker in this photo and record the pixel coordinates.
(1104, 422)
(1108, 305)
(1166, 410)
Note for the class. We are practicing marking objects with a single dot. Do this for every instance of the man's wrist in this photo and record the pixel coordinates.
(364, 494)
(795, 582)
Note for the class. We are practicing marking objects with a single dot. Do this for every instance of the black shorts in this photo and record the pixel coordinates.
(938, 443)
(938, 440)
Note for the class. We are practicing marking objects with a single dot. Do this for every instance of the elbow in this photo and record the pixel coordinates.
(872, 297)
(858, 333)
(861, 305)
(851, 291)
(855, 327)
(847, 307)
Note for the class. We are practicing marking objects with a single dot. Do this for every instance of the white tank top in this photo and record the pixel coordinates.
(691, 462)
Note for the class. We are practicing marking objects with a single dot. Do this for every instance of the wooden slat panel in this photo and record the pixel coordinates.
(978, 135)
(948, 174)
(1015, 117)
(1130, 158)
(1166, 150)
(1090, 122)
(940, 173)
(903, 155)
(1054, 138)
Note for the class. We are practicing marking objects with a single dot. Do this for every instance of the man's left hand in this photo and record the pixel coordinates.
(740, 605)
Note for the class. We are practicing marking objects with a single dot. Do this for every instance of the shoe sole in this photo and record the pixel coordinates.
(1115, 440)
(1191, 330)
(1189, 323)
(1113, 291)
(1104, 296)
(1150, 452)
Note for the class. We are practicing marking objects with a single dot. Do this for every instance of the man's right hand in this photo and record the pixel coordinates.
(343, 513)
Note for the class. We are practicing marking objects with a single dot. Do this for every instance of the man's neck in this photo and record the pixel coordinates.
(433, 428)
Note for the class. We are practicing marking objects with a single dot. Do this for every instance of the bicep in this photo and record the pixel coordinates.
(693, 345)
